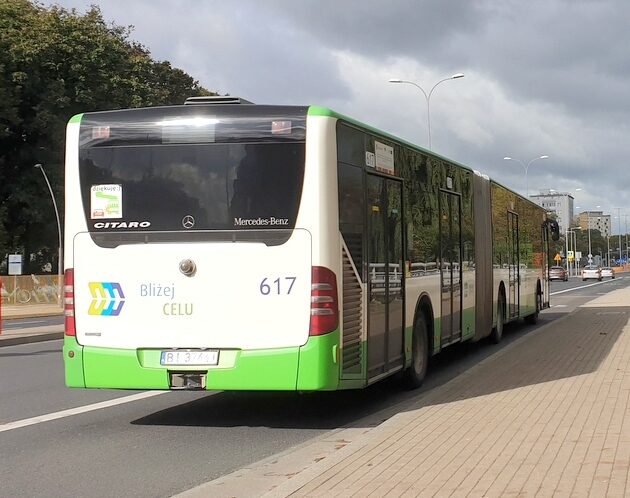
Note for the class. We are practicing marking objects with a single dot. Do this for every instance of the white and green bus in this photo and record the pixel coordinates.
(236, 246)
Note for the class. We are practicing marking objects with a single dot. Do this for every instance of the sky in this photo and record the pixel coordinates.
(542, 77)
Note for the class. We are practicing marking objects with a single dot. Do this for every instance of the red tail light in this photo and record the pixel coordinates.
(68, 300)
(324, 303)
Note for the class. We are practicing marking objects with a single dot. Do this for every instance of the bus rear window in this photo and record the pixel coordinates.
(192, 187)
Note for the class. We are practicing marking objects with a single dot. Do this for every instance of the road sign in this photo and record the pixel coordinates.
(558, 257)
(15, 264)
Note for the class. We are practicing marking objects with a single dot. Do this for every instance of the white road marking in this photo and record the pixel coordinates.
(76, 411)
(582, 287)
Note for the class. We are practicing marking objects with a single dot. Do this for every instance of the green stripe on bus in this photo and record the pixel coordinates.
(73, 359)
(319, 363)
(326, 112)
(76, 118)
(313, 366)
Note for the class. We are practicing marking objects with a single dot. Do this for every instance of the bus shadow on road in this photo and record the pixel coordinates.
(290, 410)
(528, 355)
(312, 410)
(574, 346)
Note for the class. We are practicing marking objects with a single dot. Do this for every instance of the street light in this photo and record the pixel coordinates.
(526, 167)
(619, 216)
(60, 262)
(626, 218)
(588, 228)
(573, 239)
(427, 96)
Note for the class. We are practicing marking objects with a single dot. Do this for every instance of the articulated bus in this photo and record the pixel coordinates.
(235, 246)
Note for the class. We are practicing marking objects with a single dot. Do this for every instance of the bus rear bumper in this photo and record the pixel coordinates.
(314, 366)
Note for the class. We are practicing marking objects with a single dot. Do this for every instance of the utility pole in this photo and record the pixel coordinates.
(619, 216)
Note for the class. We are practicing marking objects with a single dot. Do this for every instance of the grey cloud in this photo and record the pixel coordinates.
(562, 67)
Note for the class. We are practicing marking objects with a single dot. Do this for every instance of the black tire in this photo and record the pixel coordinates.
(415, 374)
(533, 318)
(497, 332)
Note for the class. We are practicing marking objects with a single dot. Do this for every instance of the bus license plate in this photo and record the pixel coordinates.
(183, 358)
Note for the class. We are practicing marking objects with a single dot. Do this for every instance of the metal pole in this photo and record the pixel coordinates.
(619, 216)
(588, 227)
(566, 244)
(526, 168)
(626, 218)
(60, 262)
(427, 97)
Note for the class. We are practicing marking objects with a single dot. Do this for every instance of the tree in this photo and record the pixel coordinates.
(55, 63)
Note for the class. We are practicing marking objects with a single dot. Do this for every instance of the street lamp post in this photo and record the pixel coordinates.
(588, 226)
(60, 261)
(619, 216)
(626, 217)
(526, 167)
(574, 249)
(427, 96)
(572, 238)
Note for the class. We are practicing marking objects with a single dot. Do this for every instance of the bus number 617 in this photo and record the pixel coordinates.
(281, 285)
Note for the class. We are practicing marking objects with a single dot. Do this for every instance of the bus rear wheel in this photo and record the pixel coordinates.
(533, 318)
(497, 332)
(415, 374)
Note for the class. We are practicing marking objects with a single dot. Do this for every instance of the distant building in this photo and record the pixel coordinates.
(559, 203)
(595, 220)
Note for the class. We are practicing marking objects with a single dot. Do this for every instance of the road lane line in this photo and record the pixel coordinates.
(582, 287)
(76, 411)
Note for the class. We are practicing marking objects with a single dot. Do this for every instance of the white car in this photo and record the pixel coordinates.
(591, 272)
(608, 272)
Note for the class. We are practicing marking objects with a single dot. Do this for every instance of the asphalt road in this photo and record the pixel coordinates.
(43, 321)
(169, 442)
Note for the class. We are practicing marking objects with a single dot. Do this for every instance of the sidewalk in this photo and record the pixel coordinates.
(25, 335)
(545, 416)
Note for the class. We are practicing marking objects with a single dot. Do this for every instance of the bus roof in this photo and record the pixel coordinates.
(314, 110)
(325, 111)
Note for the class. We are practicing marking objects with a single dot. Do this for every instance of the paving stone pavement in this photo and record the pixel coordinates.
(548, 415)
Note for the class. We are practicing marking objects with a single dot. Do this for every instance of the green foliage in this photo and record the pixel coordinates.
(55, 63)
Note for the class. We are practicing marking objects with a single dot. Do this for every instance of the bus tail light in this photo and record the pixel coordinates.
(324, 302)
(68, 302)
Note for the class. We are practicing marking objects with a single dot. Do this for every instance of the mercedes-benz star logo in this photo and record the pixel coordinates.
(188, 221)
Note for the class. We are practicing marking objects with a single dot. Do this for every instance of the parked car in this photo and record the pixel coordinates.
(558, 273)
(591, 272)
(608, 272)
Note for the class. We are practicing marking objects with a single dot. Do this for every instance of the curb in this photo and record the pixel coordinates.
(29, 314)
(29, 339)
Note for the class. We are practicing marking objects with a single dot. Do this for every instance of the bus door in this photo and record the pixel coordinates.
(513, 265)
(450, 267)
(385, 275)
